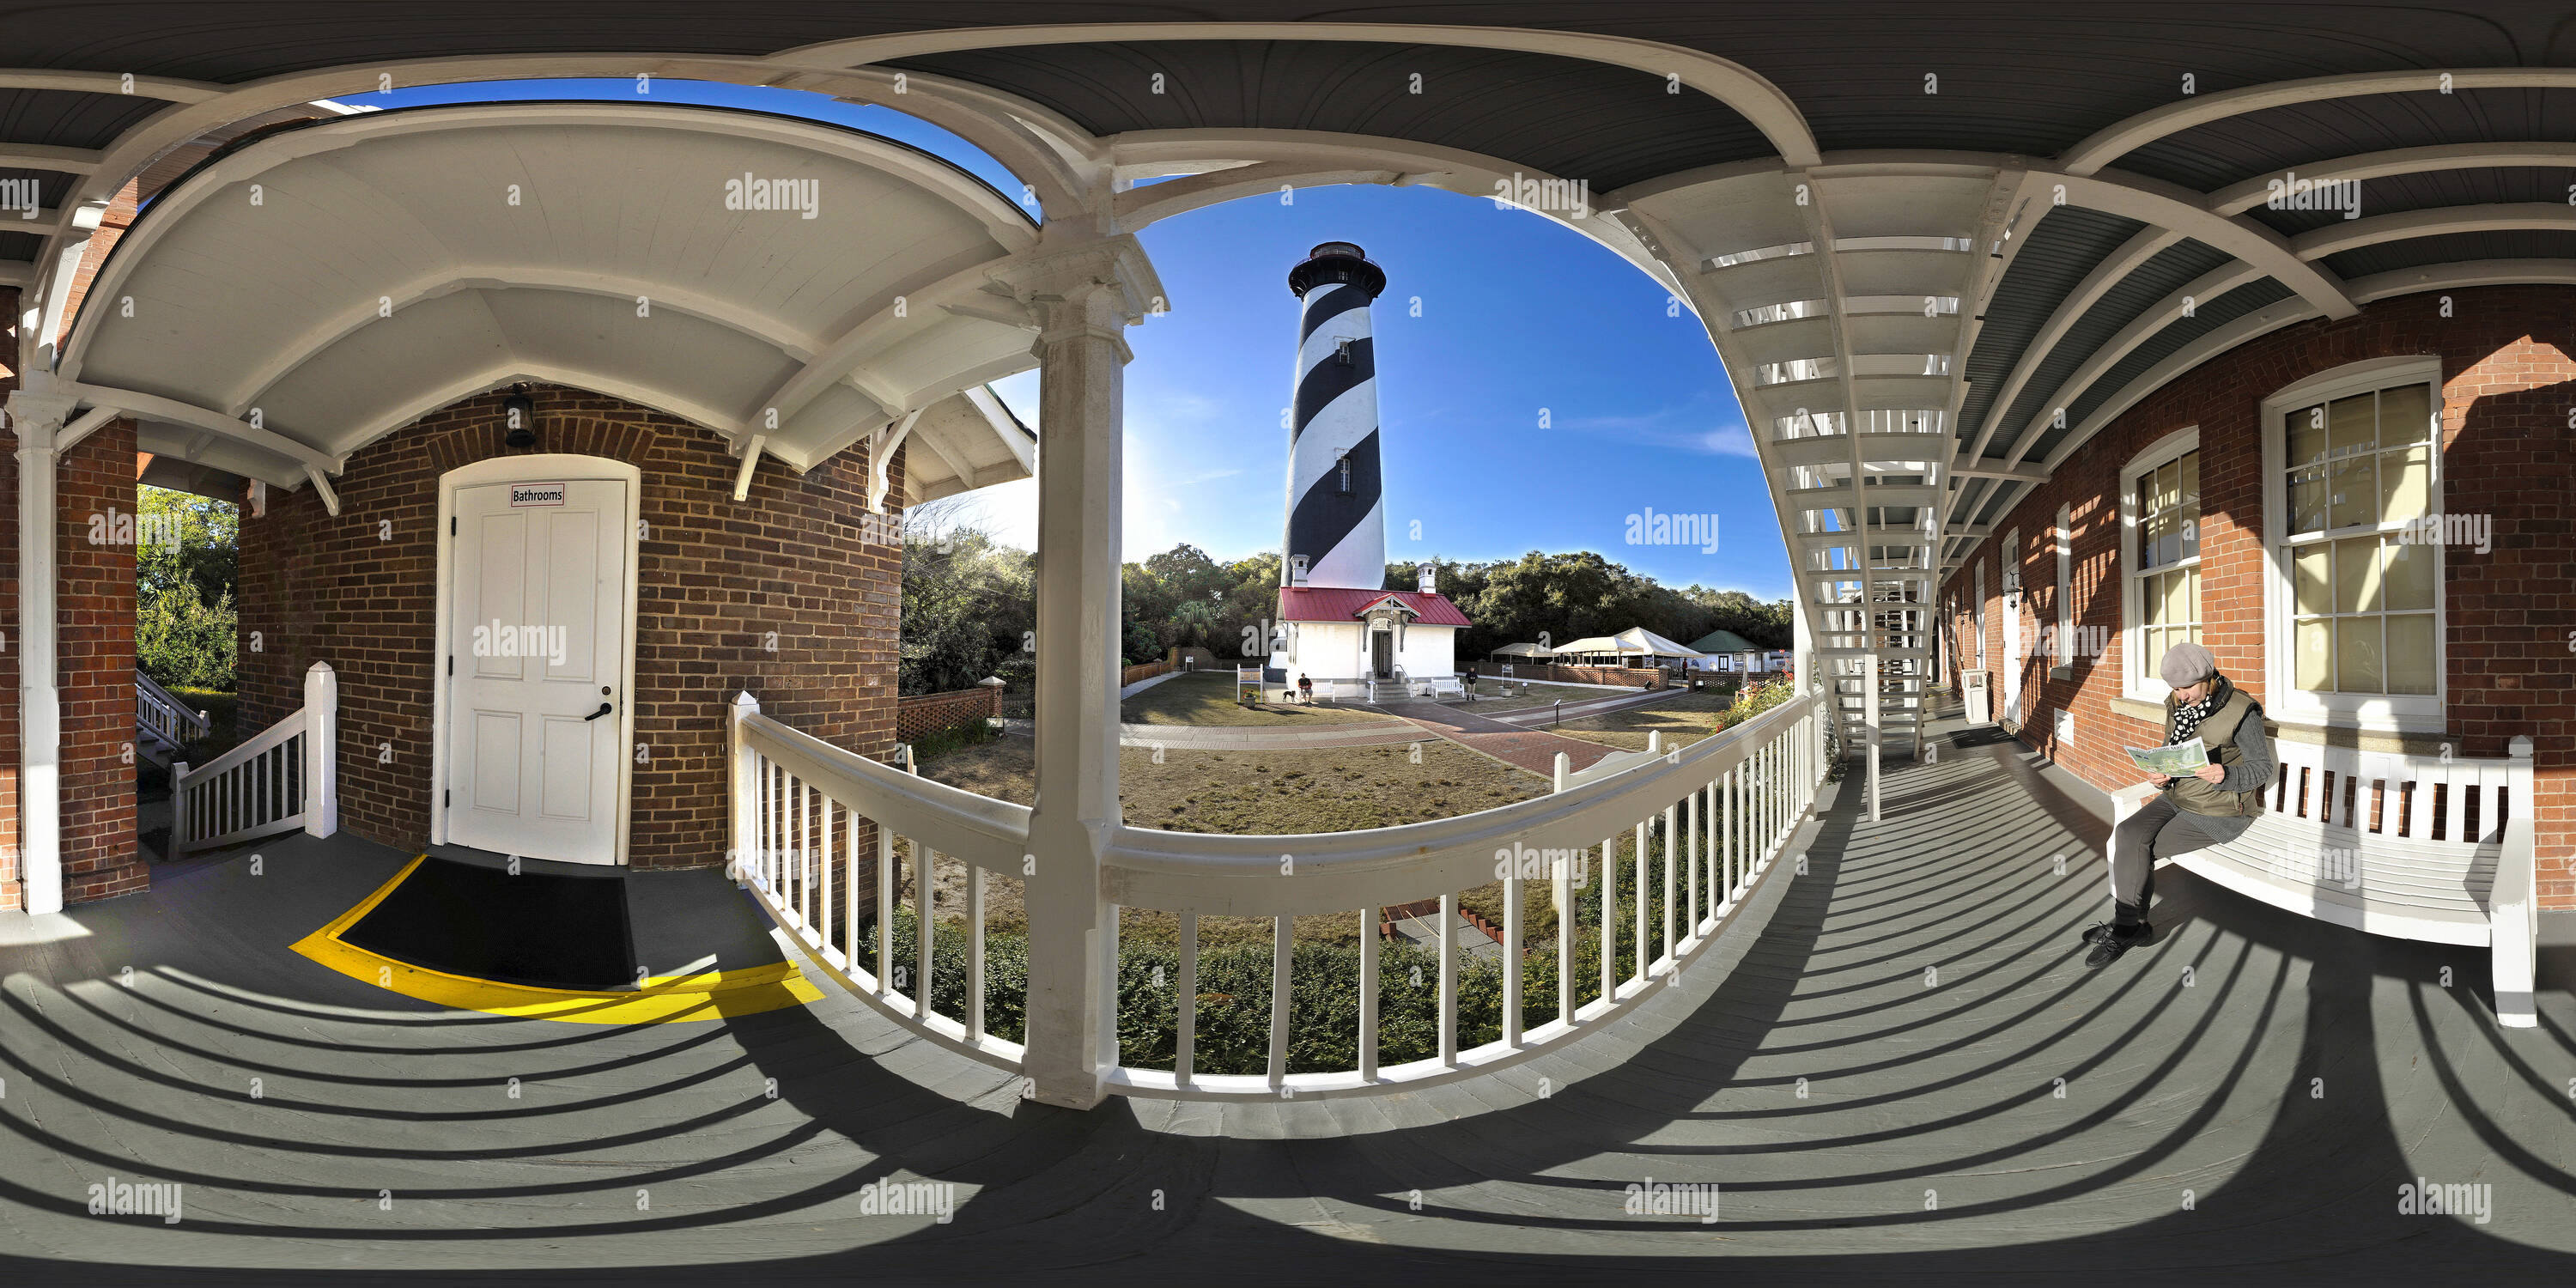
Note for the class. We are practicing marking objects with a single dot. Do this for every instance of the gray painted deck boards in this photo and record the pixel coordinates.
(1911, 1086)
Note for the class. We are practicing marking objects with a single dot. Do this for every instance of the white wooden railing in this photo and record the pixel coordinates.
(161, 712)
(1723, 809)
(281, 780)
(803, 811)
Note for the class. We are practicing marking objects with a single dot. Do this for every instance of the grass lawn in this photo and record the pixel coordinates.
(1683, 718)
(1331, 789)
(1207, 698)
(222, 720)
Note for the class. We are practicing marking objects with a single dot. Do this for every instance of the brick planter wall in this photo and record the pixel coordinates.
(714, 578)
(2506, 451)
(1634, 677)
(931, 712)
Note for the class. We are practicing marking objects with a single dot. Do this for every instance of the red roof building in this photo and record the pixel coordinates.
(1346, 604)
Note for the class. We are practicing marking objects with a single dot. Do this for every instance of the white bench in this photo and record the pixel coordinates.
(1447, 686)
(2431, 848)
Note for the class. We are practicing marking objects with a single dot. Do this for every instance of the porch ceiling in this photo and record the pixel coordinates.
(1893, 218)
(305, 293)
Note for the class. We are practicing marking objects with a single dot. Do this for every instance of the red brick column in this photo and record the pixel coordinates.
(95, 502)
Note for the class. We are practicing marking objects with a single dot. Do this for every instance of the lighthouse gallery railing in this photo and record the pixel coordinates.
(817, 829)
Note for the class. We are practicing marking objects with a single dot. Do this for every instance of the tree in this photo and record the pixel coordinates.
(186, 562)
(969, 606)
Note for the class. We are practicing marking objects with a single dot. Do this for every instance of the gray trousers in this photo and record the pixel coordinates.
(2159, 830)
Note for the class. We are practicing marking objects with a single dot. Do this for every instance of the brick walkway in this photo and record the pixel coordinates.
(1531, 749)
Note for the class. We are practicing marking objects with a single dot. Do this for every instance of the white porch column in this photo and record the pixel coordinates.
(38, 420)
(1085, 294)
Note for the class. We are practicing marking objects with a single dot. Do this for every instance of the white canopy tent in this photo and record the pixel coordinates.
(1635, 642)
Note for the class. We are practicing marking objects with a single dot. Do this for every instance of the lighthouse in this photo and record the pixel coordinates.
(1338, 624)
(1336, 511)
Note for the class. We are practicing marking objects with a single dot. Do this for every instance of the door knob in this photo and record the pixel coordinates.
(603, 710)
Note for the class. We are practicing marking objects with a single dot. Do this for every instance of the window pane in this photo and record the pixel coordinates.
(2313, 572)
(2353, 423)
(2410, 653)
(2308, 501)
(2357, 575)
(2151, 652)
(2177, 597)
(2316, 654)
(2157, 546)
(2403, 477)
(2357, 668)
(2187, 514)
(2151, 599)
(2356, 493)
(2190, 593)
(2406, 414)
(2410, 580)
(2307, 435)
(2168, 486)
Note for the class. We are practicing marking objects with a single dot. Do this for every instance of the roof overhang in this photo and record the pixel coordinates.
(320, 286)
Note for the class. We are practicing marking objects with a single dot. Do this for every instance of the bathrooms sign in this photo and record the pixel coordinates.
(536, 494)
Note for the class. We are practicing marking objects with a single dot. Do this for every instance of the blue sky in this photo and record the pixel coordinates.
(1518, 315)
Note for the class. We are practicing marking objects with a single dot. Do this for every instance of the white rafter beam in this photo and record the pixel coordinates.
(2436, 221)
(2117, 140)
(204, 418)
(2464, 274)
(2236, 198)
(2166, 205)
(2159, 315)
(2109, 273)
(168, 89)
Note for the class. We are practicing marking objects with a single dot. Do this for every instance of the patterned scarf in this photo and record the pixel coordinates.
(2187, 719)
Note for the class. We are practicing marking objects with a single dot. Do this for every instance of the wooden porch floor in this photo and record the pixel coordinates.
(1922, 982)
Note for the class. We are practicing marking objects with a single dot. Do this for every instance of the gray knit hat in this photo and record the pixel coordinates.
(2187, 664)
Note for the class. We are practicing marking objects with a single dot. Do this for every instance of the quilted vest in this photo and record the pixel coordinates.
(2218, 733)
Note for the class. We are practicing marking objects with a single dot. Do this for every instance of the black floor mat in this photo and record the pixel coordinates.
(537, 929)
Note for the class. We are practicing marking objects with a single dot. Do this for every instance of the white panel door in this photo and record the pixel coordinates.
(538, 643)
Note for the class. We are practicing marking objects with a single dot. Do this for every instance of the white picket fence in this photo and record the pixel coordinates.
(1723, 809)
(281, 780)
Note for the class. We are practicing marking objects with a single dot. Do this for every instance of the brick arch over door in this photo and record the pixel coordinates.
(715, 578)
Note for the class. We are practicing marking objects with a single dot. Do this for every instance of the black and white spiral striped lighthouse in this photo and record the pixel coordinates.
(1336, 515)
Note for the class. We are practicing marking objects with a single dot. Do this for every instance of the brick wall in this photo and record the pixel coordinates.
(94, 612)
(1635, 677)
(12, 896)
(715, 578)
(2510, 381)
(931, 712)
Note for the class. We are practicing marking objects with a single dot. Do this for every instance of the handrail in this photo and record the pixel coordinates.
(1720, 811)
(152, 688)
(1147, 867)
(287, 726)
(953, 820)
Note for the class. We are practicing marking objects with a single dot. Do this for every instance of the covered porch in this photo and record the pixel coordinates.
(1898, 1058)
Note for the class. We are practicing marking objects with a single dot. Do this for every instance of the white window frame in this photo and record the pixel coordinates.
(2381, 712)
(2065, 587)
(2133, 684)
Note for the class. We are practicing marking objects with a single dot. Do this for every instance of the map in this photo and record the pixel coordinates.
(2174, 761)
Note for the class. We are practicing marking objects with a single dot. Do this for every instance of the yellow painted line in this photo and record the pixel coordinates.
(662, 999)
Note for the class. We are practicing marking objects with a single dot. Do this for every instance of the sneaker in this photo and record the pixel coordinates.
(2109, 941)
